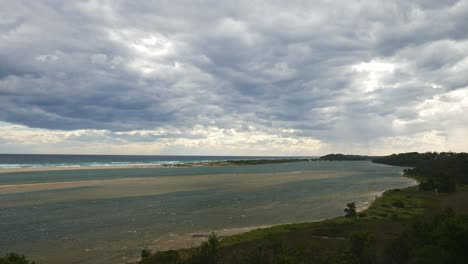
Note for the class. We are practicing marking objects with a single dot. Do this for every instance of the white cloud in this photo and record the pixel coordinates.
(198, 140)
(244, 78)
(371, 73)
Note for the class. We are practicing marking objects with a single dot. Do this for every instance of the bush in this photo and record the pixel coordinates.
(359, 248)
(359, 251)
(350, 210)
(438, 239)
(163, 257)
(13, 258)
(398, 204)
(145, 253)
(427, 185)
(208, 252)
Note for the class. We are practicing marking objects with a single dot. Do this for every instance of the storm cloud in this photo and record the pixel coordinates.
(308, 77)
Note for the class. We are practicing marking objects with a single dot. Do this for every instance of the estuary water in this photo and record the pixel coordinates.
(108, 216)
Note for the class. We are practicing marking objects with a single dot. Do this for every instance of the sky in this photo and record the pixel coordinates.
(233, 77)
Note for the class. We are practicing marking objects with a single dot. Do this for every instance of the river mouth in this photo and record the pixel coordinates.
(98, 217)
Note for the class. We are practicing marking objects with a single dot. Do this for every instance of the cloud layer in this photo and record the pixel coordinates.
(215, 77)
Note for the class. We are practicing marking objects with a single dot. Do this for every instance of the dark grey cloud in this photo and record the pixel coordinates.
(136, 65)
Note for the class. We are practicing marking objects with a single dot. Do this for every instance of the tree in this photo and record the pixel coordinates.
(350, 210)
(208, 252)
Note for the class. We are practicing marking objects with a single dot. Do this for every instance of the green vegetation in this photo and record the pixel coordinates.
(405, 204)
(350, 210)
(145, 253)
(240, 162)
(436, 171)
(206, 253)
(262, 161)
(13, 258)
(442, 238)
(342, 157)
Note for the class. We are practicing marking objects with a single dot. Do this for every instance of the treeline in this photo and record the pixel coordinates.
(343, 157)
(437, 171)
(261, 161)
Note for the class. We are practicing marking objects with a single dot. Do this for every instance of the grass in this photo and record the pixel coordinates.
(329, 228)
(406, 203)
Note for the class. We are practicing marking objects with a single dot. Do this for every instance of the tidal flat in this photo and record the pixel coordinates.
(108, 216)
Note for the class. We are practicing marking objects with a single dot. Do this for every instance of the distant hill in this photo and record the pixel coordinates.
(338, 157)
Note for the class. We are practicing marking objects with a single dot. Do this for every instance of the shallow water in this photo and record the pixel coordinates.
(108, 216)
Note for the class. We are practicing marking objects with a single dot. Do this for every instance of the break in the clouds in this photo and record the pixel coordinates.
(244, 77)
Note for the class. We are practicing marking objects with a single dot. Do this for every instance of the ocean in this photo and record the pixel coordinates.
(8, 161)
(109, 216)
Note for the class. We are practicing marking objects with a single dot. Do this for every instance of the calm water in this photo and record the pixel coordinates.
(108, 216)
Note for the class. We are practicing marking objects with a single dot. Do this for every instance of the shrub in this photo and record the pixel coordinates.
(442, 238)
(398, 204)
(145, 253)
(350, 210)
(208, 252)
(359, 248)
(13, 258)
